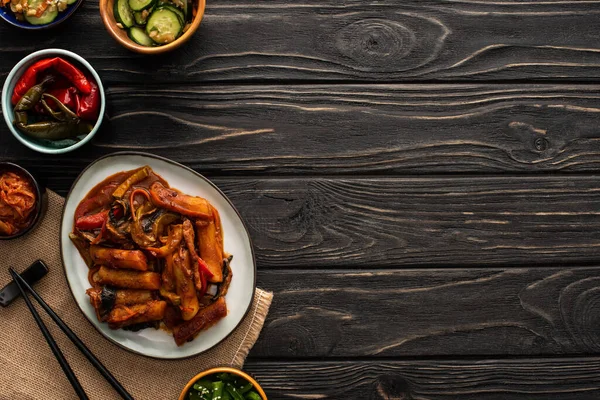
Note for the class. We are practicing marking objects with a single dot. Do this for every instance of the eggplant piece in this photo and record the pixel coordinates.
(117, 258)
(127, 279)
(103, 300)
(106, 298)
(227, 276)
(210, 243)
(122, 316)
(204, 319)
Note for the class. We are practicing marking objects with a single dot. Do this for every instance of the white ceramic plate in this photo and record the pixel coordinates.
(151, 342)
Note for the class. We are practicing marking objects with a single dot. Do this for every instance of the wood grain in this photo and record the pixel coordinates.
(419, 221)
(548, 379)
(403, 222)
(429, 313)
(387, 41)
(347, 129)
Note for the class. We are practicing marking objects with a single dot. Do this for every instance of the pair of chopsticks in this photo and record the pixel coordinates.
(24, 287)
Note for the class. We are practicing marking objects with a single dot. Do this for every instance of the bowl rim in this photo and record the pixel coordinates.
(110, 25)
(217, 370)
(29, 27)
(8, 109)
(39, 201)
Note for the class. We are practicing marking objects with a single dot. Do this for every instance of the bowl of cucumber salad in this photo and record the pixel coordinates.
(37, 14)
(152, 26)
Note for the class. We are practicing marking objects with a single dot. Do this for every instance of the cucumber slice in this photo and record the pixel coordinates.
(71, 2)
(139, 36)
(48, 16)
(187, 10)
(123, 13)
(139, 5)
(164, 26)
(176, 11)
(178, 4)
(141, 17)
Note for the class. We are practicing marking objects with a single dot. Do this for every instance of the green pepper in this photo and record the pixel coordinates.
(217, 388)
(246, 388)
(50, 130)
(226, 396)
(233, 392)
(195, 396)
(253, 396)
(203, 386)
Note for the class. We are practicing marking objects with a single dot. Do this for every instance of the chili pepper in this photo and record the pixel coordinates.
(51, 130)
(33, 95)
(30, 77)
(89, 105)
(68, 96)
(64, 113)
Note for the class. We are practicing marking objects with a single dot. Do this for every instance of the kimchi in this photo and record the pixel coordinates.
(17, 203)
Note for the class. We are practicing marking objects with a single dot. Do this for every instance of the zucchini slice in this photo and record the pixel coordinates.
(139, 36)
(139, 5)
(123, 13)
(48, 16)
(164, 26)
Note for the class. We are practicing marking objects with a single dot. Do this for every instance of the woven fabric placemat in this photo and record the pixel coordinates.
(28, 370)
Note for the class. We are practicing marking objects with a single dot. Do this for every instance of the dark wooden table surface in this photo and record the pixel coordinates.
(419, 178)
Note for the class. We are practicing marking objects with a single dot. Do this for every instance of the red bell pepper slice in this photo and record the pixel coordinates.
(63, 67)
(89, 105)
(205, 274)
(94, 221)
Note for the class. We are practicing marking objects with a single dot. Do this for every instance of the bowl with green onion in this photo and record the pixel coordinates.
(223, 383)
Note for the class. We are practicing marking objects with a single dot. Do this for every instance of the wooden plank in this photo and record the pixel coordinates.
(346, 129)
(548, 379)
(430, 313)
(354, 40)
(421, 221)
(401, 222)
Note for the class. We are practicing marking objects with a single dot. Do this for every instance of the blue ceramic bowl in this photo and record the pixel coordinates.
(9, 17)
(49, 146)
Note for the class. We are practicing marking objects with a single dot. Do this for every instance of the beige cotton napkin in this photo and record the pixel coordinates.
(28, 370)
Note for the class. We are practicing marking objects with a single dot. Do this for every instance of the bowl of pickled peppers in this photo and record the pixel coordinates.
(223, 383)
(53, 101)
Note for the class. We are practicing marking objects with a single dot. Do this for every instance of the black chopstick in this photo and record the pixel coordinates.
(53, 346)
(73, 337)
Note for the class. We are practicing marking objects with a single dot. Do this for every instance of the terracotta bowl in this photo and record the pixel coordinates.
(218, 370)
(120, 35)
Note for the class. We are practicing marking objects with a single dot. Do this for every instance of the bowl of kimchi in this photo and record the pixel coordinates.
(20, 201)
